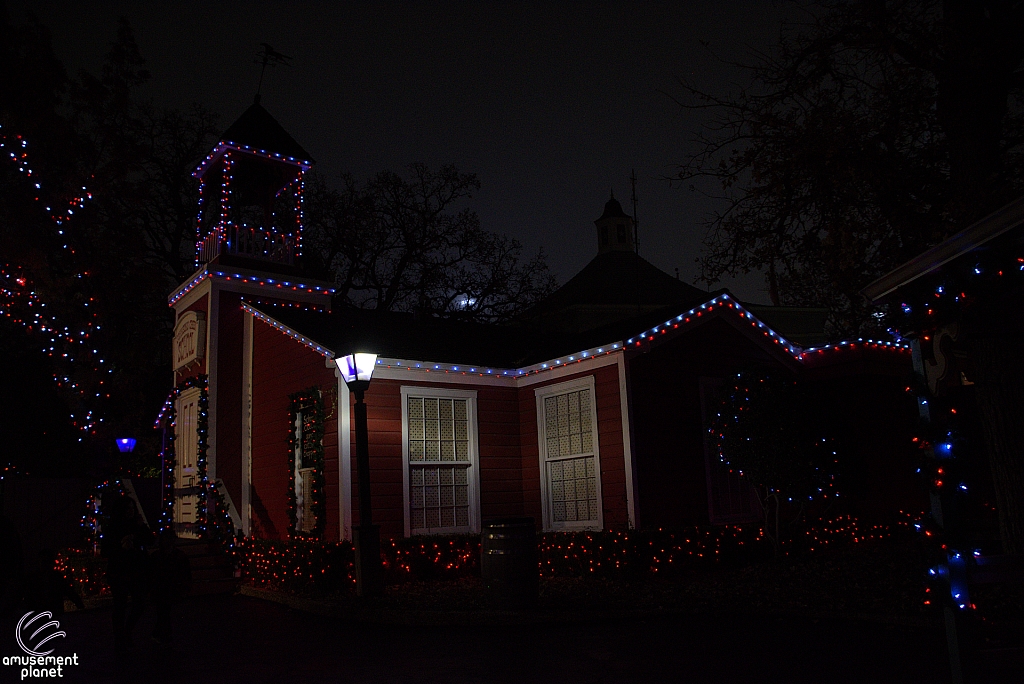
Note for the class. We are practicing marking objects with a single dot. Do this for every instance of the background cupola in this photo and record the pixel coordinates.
(614, 229)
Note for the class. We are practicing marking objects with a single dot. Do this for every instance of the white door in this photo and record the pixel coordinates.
(186, 453)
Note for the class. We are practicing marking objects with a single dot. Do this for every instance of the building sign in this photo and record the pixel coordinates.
(189, 338)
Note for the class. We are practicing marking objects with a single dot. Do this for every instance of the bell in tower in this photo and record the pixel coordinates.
(250, 195)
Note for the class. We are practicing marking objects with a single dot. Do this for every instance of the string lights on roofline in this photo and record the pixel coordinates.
(262, 281)
(717, 304)
(226, 145)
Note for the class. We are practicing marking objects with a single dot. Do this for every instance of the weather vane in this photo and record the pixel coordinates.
(268, 56)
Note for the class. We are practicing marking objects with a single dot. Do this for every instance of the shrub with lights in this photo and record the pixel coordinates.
(767, 430)
(86, 572)
(304, 565)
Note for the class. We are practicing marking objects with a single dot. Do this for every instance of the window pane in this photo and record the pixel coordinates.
(415, 408)
(572, 488)
(416, 450)
(433, 451)
(430, 497)
(447, 451)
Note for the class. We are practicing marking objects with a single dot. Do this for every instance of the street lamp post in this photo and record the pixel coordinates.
(356, 370)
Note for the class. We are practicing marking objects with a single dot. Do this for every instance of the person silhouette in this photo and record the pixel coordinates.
(124, 543)
(169, 579)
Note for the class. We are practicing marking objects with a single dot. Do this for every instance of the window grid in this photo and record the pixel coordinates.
(438, 463)
(571, 467)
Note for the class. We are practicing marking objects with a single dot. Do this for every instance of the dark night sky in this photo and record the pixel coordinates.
(550, 104)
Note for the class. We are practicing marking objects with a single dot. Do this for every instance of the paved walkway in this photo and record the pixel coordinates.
(228, 639)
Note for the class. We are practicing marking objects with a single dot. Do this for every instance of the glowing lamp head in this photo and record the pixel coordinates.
(356, 370)
(125, 444)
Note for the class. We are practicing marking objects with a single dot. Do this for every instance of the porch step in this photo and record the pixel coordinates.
(212, 570)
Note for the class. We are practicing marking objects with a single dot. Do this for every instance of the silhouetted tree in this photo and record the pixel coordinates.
(105, 270)
(870, 131)
(403, 244)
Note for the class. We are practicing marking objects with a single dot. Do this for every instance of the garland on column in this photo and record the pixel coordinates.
(167, 419)
(308, 403)
(213, 521)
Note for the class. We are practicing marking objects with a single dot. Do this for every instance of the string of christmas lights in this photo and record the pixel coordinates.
(213, 519)
(73, 349)
(299, 564)
(17, 152)
(652, 336)
(309, 404)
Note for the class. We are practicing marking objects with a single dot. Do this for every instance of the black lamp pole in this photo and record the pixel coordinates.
(366, 535)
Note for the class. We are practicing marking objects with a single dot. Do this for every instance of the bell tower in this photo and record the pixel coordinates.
(250, 195)
(248, 249)
(614, 229)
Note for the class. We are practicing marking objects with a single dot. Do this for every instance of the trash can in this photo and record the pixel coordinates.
(508, 562)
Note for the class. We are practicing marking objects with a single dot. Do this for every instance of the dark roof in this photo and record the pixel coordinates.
(613, 278)
(443, 341)
(612, 209)
(405, 336)
(803, 325)
(259, 130)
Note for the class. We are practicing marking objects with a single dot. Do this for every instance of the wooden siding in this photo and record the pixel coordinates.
(667, 419)
(498, 441)
(281, 366)
(228, 406)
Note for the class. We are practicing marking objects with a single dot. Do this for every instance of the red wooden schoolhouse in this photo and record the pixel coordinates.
(590, 413)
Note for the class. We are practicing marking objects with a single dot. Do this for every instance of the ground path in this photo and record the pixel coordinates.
(227, 639)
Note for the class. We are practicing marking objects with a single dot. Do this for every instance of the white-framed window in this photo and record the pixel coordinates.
(441, 461)
(570, 459)
(305, 472)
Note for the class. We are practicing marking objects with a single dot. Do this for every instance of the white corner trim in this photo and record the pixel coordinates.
(247, 345)
(474, 448)
(344, 456)
(212, 349)
(541, 393)
(627, 442)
